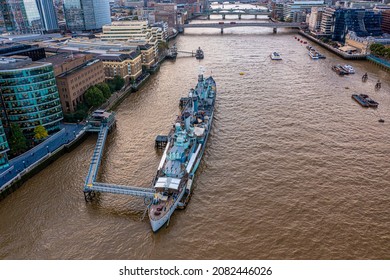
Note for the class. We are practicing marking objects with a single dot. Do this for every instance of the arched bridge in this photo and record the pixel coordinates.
(238, 12)
(223, 25)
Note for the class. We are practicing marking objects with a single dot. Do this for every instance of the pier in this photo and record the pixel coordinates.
(102, 122)
(161, 141)
(192, 53)
(333, 50)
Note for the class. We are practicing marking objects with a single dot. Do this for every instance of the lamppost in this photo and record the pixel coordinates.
(47, 148)
(24, 163)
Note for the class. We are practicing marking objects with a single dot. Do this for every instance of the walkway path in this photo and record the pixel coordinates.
(20, 164)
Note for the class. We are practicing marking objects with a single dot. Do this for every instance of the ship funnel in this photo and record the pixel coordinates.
(187, 120)
(195, 104)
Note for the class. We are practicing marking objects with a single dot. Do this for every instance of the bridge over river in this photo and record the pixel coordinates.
(235, 11)
(223, 25)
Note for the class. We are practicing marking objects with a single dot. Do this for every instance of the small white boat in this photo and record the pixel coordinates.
(275, 56)
(313, 54)
(349, 69)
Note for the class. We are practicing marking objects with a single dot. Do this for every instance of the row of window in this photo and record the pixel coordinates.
(12, 74)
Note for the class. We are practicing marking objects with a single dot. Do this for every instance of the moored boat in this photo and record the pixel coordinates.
(360, 100)
(199, 53)
(348, 68)
(313, 54)
(339, 70)
(275, 56)
(371, 102)
(182, 155)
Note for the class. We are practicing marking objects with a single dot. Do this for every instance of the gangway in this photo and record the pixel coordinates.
(91, 186)
(96, 157)
(119, 189)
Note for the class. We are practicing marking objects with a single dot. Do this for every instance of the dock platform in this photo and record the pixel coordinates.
(161, 141)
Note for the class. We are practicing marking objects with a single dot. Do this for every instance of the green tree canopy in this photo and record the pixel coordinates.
(163, 46)
(40, 132)
(380, 50)
(105, 89)
(17, 142)
(117, 82)
(94, 96)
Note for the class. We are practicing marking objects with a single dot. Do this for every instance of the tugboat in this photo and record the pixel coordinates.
(199, 54)
(182, 155)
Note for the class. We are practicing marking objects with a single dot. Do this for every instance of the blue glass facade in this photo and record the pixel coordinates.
(20, 16)
(3, 149)
(48, 14)
(86, 14)
(362, 22)
(30, 97)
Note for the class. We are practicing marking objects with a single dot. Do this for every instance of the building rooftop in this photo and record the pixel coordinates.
(145, 47)
(79, 68)
(61, 58)
(118, 56)
(18, 62)
(30, 37)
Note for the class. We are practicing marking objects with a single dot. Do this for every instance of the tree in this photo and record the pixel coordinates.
(378, 49)
(117, 82)
(135, 17)
(18, 141)
(94, 96)
(162, 46)
(105, 89)
(40, 132)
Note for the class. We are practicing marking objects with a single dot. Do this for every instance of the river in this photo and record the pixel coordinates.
(294, 168)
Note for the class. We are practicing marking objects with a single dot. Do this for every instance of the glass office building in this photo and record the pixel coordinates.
(29, 94)
(20, 16)
(86, 14)
(3, 149)
(48, 14)
(363, 22)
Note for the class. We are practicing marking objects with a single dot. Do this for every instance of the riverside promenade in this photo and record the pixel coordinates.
(29, 163)
(334, 50)
(26, 162)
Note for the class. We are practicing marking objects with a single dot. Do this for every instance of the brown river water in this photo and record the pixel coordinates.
(294, 168)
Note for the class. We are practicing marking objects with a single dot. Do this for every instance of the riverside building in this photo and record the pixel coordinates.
(128, 66)
(3, 149)
(134, 32)
(75, 73)
(29, 94)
